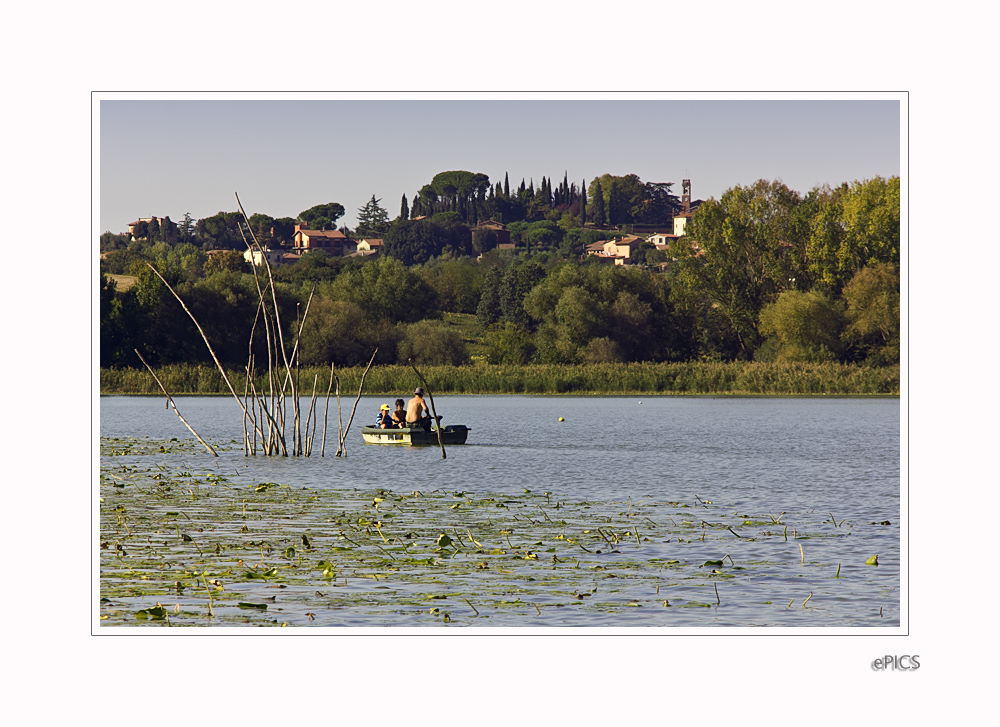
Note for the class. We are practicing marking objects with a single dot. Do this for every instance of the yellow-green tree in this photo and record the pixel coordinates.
(801, 327)
(855, 225)
(872, 298)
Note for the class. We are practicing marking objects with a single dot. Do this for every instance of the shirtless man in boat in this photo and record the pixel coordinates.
(417, 414)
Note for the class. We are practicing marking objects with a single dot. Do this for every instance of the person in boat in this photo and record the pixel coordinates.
(384, 418)
(399, 415)
(417, 414)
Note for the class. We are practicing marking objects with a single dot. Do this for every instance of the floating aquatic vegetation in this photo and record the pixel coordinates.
(182, 547)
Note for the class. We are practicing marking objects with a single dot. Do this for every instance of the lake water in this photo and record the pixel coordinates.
(831, 465)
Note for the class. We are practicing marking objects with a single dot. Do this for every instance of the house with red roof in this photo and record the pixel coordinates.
(334, 242)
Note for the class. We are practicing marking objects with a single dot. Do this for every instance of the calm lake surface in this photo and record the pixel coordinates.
(820, 461)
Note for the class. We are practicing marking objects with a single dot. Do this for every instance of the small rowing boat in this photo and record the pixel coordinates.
(416, 436)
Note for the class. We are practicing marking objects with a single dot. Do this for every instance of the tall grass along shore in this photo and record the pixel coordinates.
(738, 378)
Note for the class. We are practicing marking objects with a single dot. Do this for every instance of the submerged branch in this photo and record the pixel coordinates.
(207, 445)
(361, 387)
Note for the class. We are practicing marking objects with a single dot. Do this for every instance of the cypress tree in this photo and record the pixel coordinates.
(614, 202)
(583, 203)
(598, 204)
(506, 187)
(404, 210)
(488, 311)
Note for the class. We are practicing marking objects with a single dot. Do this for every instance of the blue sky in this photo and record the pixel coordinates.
(165, 157)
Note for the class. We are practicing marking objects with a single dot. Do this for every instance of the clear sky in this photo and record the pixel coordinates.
(166, 157)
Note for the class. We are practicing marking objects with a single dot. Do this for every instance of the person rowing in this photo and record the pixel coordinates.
(417, 414)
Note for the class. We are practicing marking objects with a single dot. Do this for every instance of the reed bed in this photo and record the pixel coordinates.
(738, 378)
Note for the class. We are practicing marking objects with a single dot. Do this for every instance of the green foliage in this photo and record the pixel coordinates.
(457, 282)
(231, 260)
(509, 344)
(110, 241)
(433, 343)
(626, 200)
(543, 234)
(341, 332)
(632, 307)
(854, 226)
(387, 291)
(804, 327)
(373, 220)
(322, 216)
(489, 311)
(598, 214)
(414, 242)
(222, 231)
(601, 350)
(741, 259)
(316, 266)
(689, 377)
(484, 240)
(872, 298)
(518, 280)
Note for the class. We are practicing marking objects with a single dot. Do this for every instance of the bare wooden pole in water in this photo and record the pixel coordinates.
(361, 387)
(437, 422)
(203, 336)
(326, 411)
(207, 445)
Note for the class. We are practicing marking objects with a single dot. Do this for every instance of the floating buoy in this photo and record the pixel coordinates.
(561, 419)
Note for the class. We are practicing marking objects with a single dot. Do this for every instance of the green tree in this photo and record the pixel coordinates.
(629, 197)
(404, 209)
(484, 240)
(873, 329)
(601, 350)
(517, 282)
(222, 231)
(386, 290)
(186, 228)
(373, 220)
(855, 226)
(322, 216)
(736, 252)
(262, 226)
(508, 344)
(489, 312)
(458, 283)
(340, 332)
(283, 231)
(432, 343)
(801, 327)
(231, 260)
(414, 242)
(543, 235)
(597, 194)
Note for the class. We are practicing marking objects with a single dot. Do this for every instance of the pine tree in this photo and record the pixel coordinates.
(373, 220)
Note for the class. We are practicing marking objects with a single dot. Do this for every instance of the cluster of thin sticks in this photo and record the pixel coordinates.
(264, 413)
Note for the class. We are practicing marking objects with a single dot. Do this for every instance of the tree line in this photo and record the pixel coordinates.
(763, 273)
